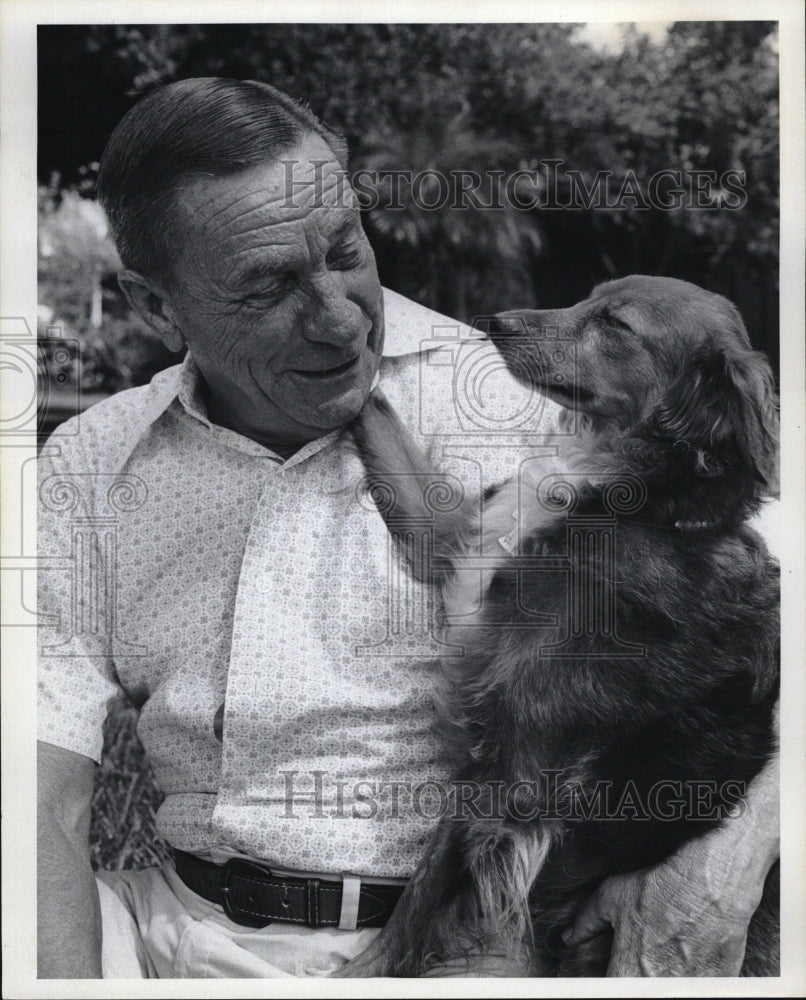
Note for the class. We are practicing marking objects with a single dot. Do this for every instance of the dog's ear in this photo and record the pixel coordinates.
(722, 410)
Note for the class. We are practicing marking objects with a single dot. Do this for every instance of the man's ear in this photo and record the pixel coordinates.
(152, 306)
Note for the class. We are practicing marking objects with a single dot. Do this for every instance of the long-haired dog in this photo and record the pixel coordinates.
(627, 640)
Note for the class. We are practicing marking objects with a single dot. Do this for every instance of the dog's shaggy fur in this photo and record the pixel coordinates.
(670, 396)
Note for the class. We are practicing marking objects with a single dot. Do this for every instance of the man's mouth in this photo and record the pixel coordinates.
(319, 374)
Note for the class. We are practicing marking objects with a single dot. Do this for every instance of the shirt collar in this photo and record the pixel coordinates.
(409, 329)
(161, 391)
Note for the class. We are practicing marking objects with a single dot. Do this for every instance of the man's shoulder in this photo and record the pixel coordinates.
(447, 378)
(101, 436)
(412, 328)
(457, 398)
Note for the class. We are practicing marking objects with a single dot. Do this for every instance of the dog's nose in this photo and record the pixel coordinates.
(500, 325)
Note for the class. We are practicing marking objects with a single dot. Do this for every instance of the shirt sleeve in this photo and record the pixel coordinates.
(76, 677)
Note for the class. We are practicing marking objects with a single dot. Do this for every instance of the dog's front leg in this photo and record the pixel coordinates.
(412, 936)
(465, 911)
(411, 492)
(437, 927)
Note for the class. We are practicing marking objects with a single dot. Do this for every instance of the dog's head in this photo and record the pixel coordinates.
(657, 359)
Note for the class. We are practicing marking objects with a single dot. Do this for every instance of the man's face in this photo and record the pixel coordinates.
(276, 293)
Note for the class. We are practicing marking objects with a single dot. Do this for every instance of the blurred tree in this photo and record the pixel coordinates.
(78, 293)
(74, 236)
(436, 246)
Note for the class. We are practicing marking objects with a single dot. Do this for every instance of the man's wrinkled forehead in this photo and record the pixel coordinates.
(306, 181)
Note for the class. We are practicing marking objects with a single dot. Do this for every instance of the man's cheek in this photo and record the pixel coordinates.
(365, 280)
(240, 347)
(367, 292)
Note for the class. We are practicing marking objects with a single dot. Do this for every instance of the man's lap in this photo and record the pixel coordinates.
(155, 927)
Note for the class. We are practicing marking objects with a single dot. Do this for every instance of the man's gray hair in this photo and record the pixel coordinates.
(207, 124)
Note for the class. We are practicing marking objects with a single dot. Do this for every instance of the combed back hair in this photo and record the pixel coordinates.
(208, 124)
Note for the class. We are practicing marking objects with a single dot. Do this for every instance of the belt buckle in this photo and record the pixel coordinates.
(240, 867)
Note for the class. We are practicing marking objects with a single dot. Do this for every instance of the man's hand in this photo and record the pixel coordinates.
(654, 935)
(689, 915)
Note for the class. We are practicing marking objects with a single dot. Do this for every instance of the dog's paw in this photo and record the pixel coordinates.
(370, 964)
(376, 414)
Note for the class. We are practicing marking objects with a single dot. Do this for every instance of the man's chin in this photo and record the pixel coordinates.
(331, 414)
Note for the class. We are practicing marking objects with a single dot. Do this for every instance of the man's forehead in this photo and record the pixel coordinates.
(306, 180)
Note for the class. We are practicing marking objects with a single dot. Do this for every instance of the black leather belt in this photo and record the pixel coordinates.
(253, 895)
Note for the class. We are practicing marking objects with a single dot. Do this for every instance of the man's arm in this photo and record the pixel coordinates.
(68, 911)
(689, 915)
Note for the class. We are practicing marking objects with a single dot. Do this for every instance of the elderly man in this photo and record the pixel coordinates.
(212, 558)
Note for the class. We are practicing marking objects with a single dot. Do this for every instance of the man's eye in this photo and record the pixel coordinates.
(270, 294)
(343, 258)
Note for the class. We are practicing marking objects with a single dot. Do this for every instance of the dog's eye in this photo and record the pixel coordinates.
(616, 323)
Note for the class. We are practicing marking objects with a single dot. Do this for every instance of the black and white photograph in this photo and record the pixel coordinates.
(403, 499)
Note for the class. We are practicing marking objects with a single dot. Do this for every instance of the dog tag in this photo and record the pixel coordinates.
(509, 542)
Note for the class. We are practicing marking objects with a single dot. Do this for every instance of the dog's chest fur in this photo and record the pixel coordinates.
(508, 518)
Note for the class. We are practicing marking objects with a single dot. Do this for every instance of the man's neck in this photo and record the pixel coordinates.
(224, 416)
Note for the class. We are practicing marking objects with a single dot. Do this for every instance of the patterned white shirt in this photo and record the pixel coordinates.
(284, 660)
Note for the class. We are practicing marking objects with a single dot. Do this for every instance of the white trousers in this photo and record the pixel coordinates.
(155, 927)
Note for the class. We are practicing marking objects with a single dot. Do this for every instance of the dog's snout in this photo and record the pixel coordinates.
(502, 325)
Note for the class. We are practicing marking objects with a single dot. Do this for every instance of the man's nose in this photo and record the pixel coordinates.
(332, 317)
